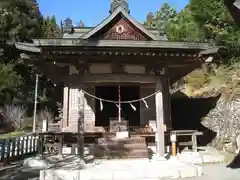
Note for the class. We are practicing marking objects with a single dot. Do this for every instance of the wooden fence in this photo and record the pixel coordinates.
(18, 147)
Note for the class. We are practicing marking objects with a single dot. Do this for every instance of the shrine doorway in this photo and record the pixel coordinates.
(110, 110)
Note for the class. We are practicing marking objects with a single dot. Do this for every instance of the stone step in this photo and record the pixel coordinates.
(121, 149)
(142, 153)
(123, 146)
(121, 141)
(133, 147)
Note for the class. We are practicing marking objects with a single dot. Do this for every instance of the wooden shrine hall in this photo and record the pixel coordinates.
(118, 70)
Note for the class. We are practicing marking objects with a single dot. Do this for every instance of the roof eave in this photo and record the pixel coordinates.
(237, 4)
(28, 47)
(119, 43)
(210, 51)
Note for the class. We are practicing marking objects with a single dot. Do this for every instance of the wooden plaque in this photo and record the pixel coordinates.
(118, 126)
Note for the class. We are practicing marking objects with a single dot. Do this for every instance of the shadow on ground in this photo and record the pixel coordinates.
(19, 173)
(235, 164)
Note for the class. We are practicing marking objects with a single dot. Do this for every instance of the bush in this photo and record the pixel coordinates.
(44, 114)
(14, 115)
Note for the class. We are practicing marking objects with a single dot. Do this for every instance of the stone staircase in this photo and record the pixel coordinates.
(112, 147)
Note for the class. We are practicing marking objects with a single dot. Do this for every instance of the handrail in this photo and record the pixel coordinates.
(15, 148)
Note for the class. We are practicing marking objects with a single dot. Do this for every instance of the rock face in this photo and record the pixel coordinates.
(224, 119)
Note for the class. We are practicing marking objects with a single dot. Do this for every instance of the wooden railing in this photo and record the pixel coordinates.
(18, 147)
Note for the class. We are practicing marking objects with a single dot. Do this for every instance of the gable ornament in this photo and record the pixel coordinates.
(120, 29)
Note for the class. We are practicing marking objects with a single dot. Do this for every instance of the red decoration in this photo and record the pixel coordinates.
(119, 104)
(124, 30)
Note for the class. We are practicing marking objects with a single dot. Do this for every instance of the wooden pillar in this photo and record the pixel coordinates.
(167, 102)
(80, 129)
(65, 120)
(160, 142)
(194, 142)
(174, 147)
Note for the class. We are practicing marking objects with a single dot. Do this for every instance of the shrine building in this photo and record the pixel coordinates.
(118, 62)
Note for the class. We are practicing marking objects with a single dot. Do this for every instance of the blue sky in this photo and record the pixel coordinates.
(93, 12)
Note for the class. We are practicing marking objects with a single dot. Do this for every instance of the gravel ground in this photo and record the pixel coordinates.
(211, 172)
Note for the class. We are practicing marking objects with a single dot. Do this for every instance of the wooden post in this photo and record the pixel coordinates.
(3, 145)
(9, 142)
(194, 142)
(173, 139)
(22, 141)
(13, 148)
(119, 104)
(31, 144)
(167, 102)
(40, 144)
(174, 148)
(27, 145)
(65, 119)
(160, 141)
(61, 138)
(81, 125)
(35, 104)
(44, 125)
(18, 146)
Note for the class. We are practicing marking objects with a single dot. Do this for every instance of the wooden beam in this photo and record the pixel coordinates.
(128, 84)
(160, 141)
(133, 78)
(112, 78)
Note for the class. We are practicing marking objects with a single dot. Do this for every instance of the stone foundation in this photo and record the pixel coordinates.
(125, 170)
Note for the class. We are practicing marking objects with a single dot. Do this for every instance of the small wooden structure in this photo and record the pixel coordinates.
(192, 133)
(117, 52)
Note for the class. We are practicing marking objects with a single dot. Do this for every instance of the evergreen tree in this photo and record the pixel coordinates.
(214, 19)
(21, 21)
(207, 21)
(50, 27)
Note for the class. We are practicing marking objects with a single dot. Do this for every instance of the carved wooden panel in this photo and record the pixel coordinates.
(123, 30)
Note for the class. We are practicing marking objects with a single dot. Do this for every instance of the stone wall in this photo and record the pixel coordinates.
(224, 119)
